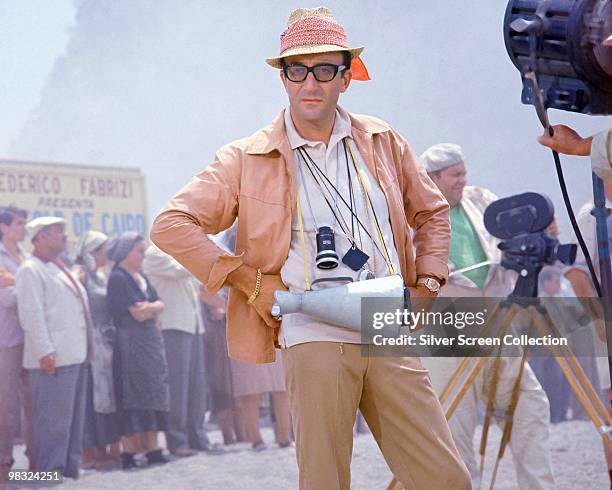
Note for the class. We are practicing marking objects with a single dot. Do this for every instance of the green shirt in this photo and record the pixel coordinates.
(465, 247)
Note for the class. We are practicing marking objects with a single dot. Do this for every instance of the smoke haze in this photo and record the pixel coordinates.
(161, 85)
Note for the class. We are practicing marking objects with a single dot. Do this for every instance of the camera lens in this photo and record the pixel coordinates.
(327, 258)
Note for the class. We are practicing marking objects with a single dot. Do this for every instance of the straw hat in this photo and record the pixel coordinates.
(313, 31)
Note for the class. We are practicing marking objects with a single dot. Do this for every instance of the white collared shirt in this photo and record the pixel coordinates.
(298, 328)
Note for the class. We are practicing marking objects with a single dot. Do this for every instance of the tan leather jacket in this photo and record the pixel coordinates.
(253, 179)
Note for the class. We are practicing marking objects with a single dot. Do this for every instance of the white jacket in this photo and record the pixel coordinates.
(176, 288)
(51, 314)
(601, 154)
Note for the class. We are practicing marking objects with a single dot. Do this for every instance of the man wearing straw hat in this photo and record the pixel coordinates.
(319, 171)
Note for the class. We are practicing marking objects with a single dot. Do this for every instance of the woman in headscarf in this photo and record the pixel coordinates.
(101, 422)
(141, 371)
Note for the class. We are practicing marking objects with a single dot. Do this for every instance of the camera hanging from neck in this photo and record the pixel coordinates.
(355, 258)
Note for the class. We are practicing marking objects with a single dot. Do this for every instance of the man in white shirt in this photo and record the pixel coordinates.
(318, 170)
(473, 245)
(53, 312)
(182, 330)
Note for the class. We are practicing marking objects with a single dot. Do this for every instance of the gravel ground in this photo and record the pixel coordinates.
(577, 453)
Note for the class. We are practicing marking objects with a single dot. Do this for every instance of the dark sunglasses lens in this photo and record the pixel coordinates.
(296, 73)
(324, 73)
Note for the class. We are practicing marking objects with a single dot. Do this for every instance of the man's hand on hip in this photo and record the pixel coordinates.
(244, 279)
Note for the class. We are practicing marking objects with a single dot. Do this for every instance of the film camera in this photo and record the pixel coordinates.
(520, 222)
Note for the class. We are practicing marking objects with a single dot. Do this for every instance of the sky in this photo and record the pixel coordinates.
(33, 34)
(162, 85)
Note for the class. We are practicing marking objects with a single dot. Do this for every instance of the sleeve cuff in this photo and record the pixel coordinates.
(432, 267)
(600, 157)
(225, 265)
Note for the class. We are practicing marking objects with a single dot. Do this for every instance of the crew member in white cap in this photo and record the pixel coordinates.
(472, 245)
(54, 315)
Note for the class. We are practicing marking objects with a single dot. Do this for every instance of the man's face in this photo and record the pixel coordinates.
(311, 101)
(16, 231)
(51, 240)
(451, 182)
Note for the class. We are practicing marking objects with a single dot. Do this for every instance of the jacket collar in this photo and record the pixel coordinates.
(274, 136)
(56, 271)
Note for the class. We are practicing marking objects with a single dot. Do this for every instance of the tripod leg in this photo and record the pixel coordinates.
(507, 433)
(494, 476)
(463, 365)
(464, 388)
(466, 361)
(489, 413)
(512, 311)
(564, 353)
(577, 368)
(587, 397)
(585, 401)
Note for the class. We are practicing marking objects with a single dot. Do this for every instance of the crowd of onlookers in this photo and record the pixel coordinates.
(108, 343)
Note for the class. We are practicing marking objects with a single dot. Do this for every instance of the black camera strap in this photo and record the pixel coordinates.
(307, 194)
(387, 255)
(312, 167)
(332, 207)
(351, 197)
(324, 186)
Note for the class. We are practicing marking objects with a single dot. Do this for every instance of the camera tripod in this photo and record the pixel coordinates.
(499, 322)
(537, 317)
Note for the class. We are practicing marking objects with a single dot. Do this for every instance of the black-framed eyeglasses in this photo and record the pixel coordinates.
(325, 72)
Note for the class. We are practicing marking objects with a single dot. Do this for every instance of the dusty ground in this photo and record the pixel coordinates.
(577, 460)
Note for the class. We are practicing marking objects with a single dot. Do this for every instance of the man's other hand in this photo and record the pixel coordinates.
(244, 279)
(264, 302)
(567, 141)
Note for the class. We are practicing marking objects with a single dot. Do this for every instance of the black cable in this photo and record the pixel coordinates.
(572, 217)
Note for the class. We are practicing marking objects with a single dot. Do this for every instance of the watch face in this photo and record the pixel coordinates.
(432, 285)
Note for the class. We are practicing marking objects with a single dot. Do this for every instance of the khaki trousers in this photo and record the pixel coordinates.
(328, 381)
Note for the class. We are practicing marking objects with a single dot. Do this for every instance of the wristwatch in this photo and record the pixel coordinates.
(430, 283)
